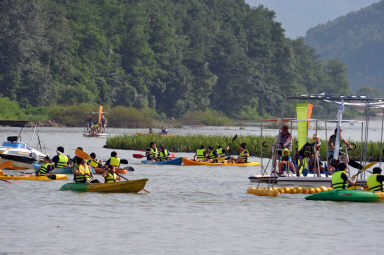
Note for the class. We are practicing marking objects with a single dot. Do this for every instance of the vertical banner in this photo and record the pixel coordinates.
(304, 112)
(337, 142)
(100, 111)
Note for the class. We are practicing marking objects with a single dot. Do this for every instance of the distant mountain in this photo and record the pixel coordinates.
(297, 16)
(356, 39)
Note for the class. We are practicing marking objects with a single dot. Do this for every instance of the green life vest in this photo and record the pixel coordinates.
(114, 162)
(63, 161)
(44, 169)
(200, 153)
(220, 151)
(245, 158)
(338, 182)
(211, 155)
(110, 178)
(152, 153)
(84, 174)
(163, 154)
(373, 184)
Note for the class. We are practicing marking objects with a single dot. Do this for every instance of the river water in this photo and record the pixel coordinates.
(190, 210)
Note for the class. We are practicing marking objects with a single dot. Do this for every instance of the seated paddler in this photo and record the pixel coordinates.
(46, 168)
(81, 172)
(243, 155)
(114, 160)
(151, 152)
(340, 179)
(94, 162)
(110, 175)
(212, 156)
(163, 154)
(375, 181)
(200, 153)
(60, 160)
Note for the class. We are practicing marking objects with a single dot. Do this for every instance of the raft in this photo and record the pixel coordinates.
(148, 134)
(132, 186)
(347, 195)
(190, 162)
(176, 161)
(34, 178)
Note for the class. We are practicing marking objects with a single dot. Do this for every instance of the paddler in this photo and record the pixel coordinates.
(114, 161)
(243, 155)
(93, 162)
(151, 152)
(46, 168)
(340, 178)
(163, 154)
(200, 153)
(212, 156)
(375, 181)
(60, 160)
(221, 152)
(110, 175)
(81, 172)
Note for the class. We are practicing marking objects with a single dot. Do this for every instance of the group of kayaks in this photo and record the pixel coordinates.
(191, 162)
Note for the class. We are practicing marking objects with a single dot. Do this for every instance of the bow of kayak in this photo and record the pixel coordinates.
(176, 161)
(190, 162)
(347, 195)
(132, 186)
(34, 178)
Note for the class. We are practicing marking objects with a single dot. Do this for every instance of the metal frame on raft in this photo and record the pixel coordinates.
(340, 100)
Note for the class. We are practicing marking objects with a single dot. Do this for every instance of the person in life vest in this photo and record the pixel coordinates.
(212, 156)
(340, 179)
(283, 140)
(94, 162)
(332, 163)
(375, 181)
(81, 172)
(243, 155)
(114, 161)
(200, 154)
(151, 152)
(60, 160)
(286, 161)
(110, 175)
(221, 152)
(310, 150)
(46, 168)
(163, 154)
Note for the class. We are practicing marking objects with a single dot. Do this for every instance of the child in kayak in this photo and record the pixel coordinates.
(151, 152)
(243, 155)
(110, 175)
(163, 154)
(46, 168)
(212, 156)
(200, 154)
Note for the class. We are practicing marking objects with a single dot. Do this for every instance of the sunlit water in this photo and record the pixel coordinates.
(190, 210)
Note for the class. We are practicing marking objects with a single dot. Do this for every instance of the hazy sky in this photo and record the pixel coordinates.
(297, 16)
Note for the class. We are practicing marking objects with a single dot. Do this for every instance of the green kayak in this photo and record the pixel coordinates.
(132, 186)
(347, 195)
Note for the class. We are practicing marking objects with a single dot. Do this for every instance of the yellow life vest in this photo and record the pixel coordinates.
(110, 178)
(220, 151)
(114, 162)
(44, 169)
(245, 158)
(84, 174)
(93, 163)
(200, 153)
(152, 153)
(338, 182)
(63, 161)
(373, 184)
(163, 154)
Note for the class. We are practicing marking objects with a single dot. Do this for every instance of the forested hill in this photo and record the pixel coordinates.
(356, 39)
(174, 56)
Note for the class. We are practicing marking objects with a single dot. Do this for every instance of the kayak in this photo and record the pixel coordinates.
(176, 161)
(347, 195)
(95, 135)
(100, 170)
(62, 170)
(147, 134)
(190, 162)
(132, 186)
(34, 178)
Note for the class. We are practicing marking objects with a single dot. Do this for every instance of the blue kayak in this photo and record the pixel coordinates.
(175, 161)
(63, 170)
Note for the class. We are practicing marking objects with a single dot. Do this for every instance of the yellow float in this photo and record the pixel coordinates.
(276, 191)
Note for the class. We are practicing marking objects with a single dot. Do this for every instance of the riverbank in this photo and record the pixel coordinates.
(255, 145)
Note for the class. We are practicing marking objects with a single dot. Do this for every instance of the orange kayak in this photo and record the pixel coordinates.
(100, 170)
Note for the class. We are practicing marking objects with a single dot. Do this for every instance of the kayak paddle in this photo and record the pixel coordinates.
(366, 167)
(233, 139)
(82, 154)
(138, 156)
(5, 181)
(128, 180)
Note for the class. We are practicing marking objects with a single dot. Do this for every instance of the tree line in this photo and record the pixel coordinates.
(172, 56)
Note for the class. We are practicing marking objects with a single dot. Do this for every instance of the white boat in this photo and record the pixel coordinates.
(20, 153)
(95, 135)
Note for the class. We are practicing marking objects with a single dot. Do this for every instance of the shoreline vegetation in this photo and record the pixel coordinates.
(254, 146)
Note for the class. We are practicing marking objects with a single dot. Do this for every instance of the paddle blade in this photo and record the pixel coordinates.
(234, 138)
(129, 168)
(369, 165)
(82, 154)
(138, 156)
(1, 172)
(354, 164)
(6, 164)
(123, 161)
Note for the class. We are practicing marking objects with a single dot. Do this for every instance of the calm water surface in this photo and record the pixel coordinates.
(190, 210)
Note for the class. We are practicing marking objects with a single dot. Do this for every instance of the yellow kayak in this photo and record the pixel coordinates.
(132, 186)
(147, 134)
(190, 162)
(34, 178)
